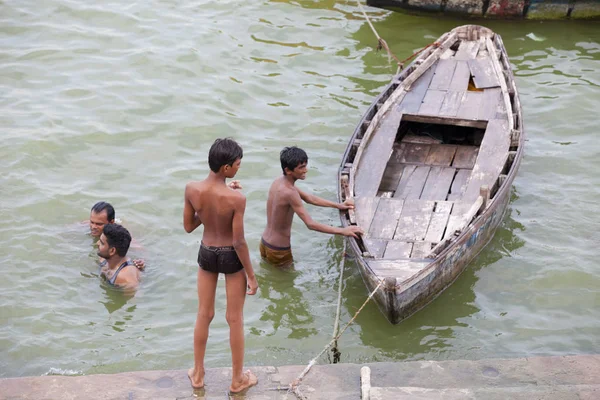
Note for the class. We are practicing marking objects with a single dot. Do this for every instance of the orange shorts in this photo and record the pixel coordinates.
(277, 256)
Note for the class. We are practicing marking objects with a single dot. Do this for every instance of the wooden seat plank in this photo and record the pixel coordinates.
(492, 156)
(438, 183)
(465, 156)
(459, 184)
(364, 209)
(385, 219)
(483, 72)
(451, 103)
(443, 75)
(400, 269)
(421, 249)
(489, 106)
(441, 154)
(411, 182)
(432, 102)
(469, 107)
(414, 220)
(460, 79)
(439, 219)
(376, 155)
(411, 102)
(396, 249)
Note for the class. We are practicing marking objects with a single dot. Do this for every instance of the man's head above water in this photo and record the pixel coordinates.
(101, 214)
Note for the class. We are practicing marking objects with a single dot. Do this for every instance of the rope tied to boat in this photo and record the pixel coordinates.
(434, 44)
(336, 326)
(381, 43)
(293, 388)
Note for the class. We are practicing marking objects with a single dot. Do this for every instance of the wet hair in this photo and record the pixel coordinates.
(118, 237)
(291, 157)
(102, 206)
(224, 152)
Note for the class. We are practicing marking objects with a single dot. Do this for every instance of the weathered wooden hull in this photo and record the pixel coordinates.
(398, 301)
(499, 9)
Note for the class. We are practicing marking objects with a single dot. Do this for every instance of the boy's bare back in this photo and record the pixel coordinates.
(215, 204)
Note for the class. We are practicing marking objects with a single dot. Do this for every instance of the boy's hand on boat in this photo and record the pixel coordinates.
(346, 205)
(352, 231)
(252, 285)
(235, 184)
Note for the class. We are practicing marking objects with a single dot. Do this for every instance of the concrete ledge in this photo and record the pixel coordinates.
(566, 377)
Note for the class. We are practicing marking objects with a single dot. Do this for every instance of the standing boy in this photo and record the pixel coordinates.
(223, 250)
(285, 200)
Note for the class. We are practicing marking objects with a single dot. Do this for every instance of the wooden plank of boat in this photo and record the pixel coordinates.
(413, 153)
(459, 184)
(399, 269)
(443, 74)
(467, 50)
(391, 177)
(414, 220)
(413, 99)
(411, 182)
(451, 103)
(465, 157)
(421, 249)
(469, 107)
(396, 249)
(484, 75)
(376, 156)
(441, 154)
(438, 183)
(439, 219)
(364, 209)
(375, 247)
(491, 158)
(385, 218)
(432, 102)
(460, 79)
(492, 98)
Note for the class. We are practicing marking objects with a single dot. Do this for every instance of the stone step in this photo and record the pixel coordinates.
(529, 392)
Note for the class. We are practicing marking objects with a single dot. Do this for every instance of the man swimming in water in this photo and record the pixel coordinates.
(285, 200)
(113, 245)
(223, 250)
(102, 214)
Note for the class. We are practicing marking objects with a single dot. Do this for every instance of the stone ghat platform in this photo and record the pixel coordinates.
(564, 377)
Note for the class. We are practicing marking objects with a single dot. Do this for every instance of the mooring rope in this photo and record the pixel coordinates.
(383, 44)
(336, 326)
(380, 42)
(296, 382)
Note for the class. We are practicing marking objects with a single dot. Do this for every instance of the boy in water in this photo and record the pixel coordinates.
(285, 200)
(223, 250)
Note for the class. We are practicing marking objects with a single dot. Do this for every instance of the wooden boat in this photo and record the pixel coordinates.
(430, 168)
(498, 9)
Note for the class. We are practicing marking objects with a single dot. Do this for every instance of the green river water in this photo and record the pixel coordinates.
(120, 101)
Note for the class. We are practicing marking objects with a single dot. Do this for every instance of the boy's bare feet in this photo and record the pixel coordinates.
(248, 380)
(196, 378)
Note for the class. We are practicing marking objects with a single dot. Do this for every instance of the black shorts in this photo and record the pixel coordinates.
(222, 259)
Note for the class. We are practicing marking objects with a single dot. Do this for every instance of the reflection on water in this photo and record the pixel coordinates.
(286, 307)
